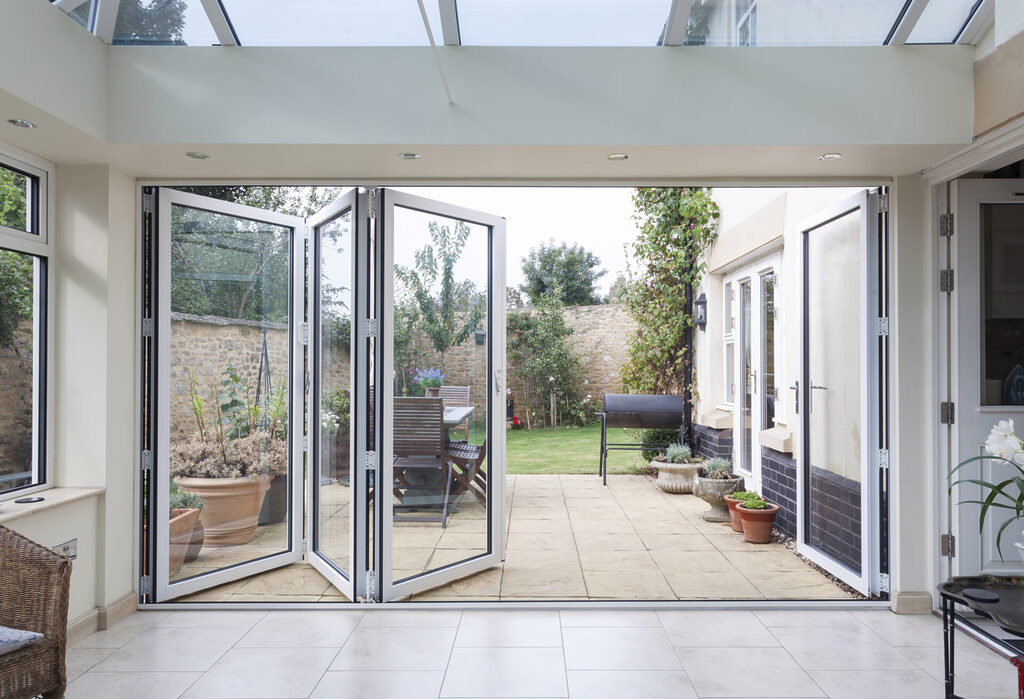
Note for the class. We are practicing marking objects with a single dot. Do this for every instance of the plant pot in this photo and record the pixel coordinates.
(232, 507)
(734, 515)
(432, 391)
(713, 492)
(676, 478)
(758, 524)
(179, 535)
(275, 504)
(195, 544)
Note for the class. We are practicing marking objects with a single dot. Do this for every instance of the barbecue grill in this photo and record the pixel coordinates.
(641, 412)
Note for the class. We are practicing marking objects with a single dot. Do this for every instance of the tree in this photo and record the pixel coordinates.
(619, 291)
(439, 313)
(13, 199)
(155, 22)
(571, 270)
(16, 297)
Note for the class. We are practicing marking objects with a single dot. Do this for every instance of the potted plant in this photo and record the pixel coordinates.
(190, 501)
(1005, 446)
(758, 519)
(184, 514)
(714, 482)
(734, 499)
(430, 380)
(677, 469)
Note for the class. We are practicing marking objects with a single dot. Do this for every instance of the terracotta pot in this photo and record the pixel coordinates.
(758, 524)
(432, 391)
(180, 534)
(713, 492)
(734, 515)
(195, 544)
(232, 507)
(676, 478)
(275, 504)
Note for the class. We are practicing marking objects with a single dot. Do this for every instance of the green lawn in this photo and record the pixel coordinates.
(565, 450)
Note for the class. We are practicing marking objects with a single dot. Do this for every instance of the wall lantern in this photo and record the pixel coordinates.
(480, 336)
(700, 312)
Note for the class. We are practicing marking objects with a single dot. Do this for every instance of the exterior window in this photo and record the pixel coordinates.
(24, 253)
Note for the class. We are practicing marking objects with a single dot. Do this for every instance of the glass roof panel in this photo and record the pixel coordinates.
(332, 22)
(941, 21)
(82, 12)
(163, 23)
(562, 22)
(791, 22)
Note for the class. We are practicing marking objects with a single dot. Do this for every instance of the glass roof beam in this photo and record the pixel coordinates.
(675, 25)
(221, 23)
(906, 23)
(449, 22)
(106, 19)
(978, 23)
(69, 5)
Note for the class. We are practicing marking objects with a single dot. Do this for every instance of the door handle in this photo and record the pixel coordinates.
(819, 388)
(796, 396)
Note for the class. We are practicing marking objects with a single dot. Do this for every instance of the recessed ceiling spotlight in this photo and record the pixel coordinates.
(830, 156)
(21, 123)
(196, 155)
(409, 156)
(618, 157)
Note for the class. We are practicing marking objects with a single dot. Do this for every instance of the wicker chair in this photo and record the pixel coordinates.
(34, 587)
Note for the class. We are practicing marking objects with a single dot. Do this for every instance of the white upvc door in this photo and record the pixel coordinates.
(202, 243)
(986, 254)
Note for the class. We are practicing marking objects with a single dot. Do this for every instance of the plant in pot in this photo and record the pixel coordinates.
(1002, 445)
(430, 380)
(231, 465)
(734, 499)
(758, 519)
(677, 469)
(714, 482)
(184, 522)
(334, 436)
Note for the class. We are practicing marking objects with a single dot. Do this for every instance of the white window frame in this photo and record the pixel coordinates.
(40, 244)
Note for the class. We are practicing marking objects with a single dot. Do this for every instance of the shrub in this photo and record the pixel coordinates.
(656, 437)
(245, 457)
(678, 454)
(755, 503)
(718, 468)
(743, 495)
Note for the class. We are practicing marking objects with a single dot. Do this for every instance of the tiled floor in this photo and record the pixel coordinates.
(569, 537)
(527, 653)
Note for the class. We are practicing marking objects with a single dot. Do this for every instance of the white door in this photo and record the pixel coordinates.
(443, 266)
(839, 392)
(230, 385)
(987, 356)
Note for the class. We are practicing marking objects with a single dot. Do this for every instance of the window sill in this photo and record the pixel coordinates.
(53, 497)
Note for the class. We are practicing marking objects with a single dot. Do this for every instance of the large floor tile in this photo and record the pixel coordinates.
(761, 672)
(609, 542)
(293, 580)
(595, 559)
(512, 628)
(903, 629)
(561, 540)
(624, 648)
(263, 673)
(505, 672)
(80, 660)
(807, 584)
(721, 584)
(608, 617)
(807, 617)
(365, 684)
(172, 650)
(844, 648)
(634, 584)
(226, 619)
(857, 684)
(676, 542)
(401, 648)
(630, 684)
(123, 631)
(708, 628)
(411, 618)
(302, 629)
(980, 672)
(131, 685)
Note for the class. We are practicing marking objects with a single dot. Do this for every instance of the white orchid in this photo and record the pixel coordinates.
(1002, 442)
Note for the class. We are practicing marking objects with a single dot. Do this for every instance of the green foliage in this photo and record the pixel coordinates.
(181, 500)
(154, 22)
(569, 273)
(655, 436)
(236, 414)
(678, 454)
(16, 294)
(743, 495)
(676, 227)
(619, 291)
(718, 468)
(339, 403)
(13, 199)
(1011, 490)
(407, 355)
(439, 311)
(542, 364)
(755, 503)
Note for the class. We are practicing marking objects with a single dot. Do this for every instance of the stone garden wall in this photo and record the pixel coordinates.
(16, 403)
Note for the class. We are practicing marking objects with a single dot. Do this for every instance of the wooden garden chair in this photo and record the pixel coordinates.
(456, 397)
(419, 447)
(468, 460)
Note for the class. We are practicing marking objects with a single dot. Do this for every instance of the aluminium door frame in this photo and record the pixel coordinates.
(388, 588)
(163, 587)
(867, 581)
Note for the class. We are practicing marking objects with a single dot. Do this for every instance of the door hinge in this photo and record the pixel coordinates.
(373, 203)
(947, 413)
(147, 201)
(883, 326)
(883, 202)
(305, 443)
(883, 459)
(946, 225)
(305, 333)
(371, 587)
(146, 585)
(947, 545)
(371, 461)
(371, 327)
(883, 582)
(946, 280)
(147, 460)
(147, 327)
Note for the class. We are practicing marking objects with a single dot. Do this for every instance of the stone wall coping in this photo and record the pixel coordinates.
(220, 320)
(777, 438)
(717, 419)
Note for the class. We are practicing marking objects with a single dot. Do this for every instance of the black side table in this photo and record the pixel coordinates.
(1000, 599)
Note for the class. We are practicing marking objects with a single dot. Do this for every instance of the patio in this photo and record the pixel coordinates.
(569, 538)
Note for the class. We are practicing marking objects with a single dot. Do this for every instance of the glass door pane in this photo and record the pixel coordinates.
(443, 446)
(749, 377)
(768, 393)
(230, 392)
